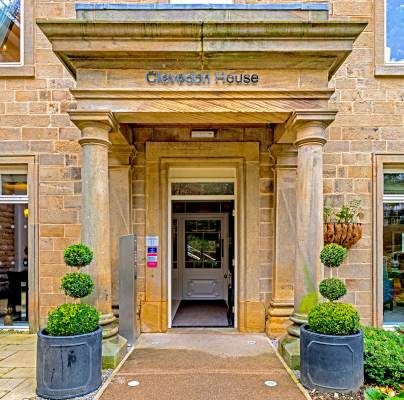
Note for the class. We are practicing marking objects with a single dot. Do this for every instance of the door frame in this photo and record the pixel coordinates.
(213, 176)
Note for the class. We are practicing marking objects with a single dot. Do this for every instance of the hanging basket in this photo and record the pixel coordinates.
(345, 234)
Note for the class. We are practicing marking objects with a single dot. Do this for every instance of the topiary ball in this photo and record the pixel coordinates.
(332, 289)
(78, 255)
(72, 319)
(77, 284)
(334, 319)
(333, 255)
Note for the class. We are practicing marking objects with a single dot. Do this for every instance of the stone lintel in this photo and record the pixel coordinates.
(295, 129)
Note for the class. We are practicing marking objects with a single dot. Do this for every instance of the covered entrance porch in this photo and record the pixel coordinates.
(137, 81)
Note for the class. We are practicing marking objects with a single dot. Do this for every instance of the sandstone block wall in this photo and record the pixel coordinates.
(33, 120)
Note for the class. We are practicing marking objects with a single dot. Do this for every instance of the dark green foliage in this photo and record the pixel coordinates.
(333, 255)
(78, 255)
(384, 357)
(72, 319)
(376, 394)
(332, 289)
(334, 319)
(77, 284)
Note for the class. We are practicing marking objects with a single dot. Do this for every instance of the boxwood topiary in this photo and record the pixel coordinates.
(334, 318)
(75, 319)
(77, 284)
(332, 289)
(333, 255)
(78, 255)
(384, 357)
(72, 319)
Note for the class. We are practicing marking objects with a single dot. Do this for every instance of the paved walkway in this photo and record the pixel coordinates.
(202, 366)
(17, 366)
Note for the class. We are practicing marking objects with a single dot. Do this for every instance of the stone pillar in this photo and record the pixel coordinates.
(281, 305)
(95, 223)
(310, 137)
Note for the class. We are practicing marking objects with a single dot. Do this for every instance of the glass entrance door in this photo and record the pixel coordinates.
(203, 258)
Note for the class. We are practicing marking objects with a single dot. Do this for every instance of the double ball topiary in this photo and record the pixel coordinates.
(333, 318)
(75, 319)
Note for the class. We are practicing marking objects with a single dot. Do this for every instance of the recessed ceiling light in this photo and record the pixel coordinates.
(133, 383)
(270, 383)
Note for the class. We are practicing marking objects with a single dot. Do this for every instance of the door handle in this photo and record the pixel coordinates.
(225, 276)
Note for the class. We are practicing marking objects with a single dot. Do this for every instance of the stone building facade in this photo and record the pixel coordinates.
(99, 138)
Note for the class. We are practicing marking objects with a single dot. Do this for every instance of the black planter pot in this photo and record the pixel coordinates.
(68, 366)
(331, 363)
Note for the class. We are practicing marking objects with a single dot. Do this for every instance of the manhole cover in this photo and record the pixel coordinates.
(133, 383)
(270, 383)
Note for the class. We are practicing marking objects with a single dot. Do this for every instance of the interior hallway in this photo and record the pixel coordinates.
(203, 365)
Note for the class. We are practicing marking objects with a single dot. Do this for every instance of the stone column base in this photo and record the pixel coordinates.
(289, 348)
(113, 351)
(278, 318)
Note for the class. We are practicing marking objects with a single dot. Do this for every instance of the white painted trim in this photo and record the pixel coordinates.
(212, 178)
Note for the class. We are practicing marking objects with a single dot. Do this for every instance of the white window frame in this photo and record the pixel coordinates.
(22, 41)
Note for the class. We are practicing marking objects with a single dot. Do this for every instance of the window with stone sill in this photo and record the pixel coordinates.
(389, 37)
(11, 32)
(13, 248)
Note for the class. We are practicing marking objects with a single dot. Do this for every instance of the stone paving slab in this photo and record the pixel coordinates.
(202, 366)
(17, 366)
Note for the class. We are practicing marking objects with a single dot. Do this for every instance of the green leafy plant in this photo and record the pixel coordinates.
(384, 357)
(333, 255)
(334, 318)
(72, 319)
(348, 213)
(75, 319)
(376, 394)
(78, 255)
(332, 289)
(77, 284)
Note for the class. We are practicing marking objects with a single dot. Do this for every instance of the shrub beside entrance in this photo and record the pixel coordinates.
(69, 349)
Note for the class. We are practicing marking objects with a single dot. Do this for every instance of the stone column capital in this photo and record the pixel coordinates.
(305, 126)
(309, 126)
(95, 126)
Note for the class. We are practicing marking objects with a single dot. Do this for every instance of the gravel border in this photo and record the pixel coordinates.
(106, 373)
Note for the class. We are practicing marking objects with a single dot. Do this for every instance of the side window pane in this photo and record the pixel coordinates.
(394, 183)
(395, 31)
(10, 31)
(13, 264)
(393, 263)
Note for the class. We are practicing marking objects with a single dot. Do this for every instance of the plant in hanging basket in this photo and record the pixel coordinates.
(341, 225)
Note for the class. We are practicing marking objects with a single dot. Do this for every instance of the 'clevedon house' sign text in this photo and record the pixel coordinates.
(200, 78)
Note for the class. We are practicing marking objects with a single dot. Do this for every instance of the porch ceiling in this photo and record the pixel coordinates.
(201, 45)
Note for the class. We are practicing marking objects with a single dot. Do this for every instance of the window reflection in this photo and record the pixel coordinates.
(13, 264)
(10, 31)
(13, 184)
(393, 262)
(395, 31)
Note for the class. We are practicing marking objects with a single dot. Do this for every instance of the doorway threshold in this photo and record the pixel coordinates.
(207, 330)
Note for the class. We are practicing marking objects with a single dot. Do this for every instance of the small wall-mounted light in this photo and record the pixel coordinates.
(203, 134)
(26, 212)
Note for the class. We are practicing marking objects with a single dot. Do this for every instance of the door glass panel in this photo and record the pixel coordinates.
(393, 263)
(174, 238)
(203, 244)
(13, 264)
